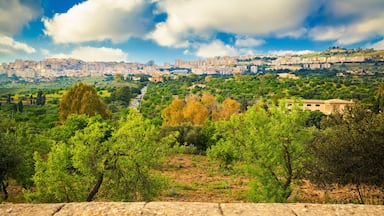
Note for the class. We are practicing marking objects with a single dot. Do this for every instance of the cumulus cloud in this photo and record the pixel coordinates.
(95, 54)
(8, 46)
(97, 20)
(377, 46)
(248, 42)
(202, 18)
(290, 52)
(14, 14)
(216, 48)
(350, 21)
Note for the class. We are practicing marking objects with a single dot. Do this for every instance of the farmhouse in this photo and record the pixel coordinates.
(325, 106)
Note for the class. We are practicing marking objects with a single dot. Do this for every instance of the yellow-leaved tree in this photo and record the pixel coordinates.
(226, 109)
(209, 101)
(173, 114)
(195, 112)
(82, 99)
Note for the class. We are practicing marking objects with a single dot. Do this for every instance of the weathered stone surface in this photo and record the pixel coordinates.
(102, 208)
(181, 208)
(29, 209)
(345, 209)
(255, 209)
(185, 209)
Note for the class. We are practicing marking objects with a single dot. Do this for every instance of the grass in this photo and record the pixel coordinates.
(195, 178)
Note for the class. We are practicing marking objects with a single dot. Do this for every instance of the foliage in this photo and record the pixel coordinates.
(348, 149)
(18, 142)
(173, 114)
(195, 112)
(271, 142)
(378, 105)
(9, 156)
(226, 109)
(82, 99)
(251, 88)
(98, 160)
(194, 136)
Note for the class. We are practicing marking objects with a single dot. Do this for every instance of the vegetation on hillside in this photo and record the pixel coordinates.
(83, 143)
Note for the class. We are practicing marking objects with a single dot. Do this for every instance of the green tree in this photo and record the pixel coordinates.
(271, 142)
(123, 94)
(9, 155)
(349, 149)
(379, 102)
(82, 99)
(20, 106)
(101, 161)
(18, 142)
(40, 99)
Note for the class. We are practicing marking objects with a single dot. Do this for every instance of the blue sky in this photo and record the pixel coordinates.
(165, 30)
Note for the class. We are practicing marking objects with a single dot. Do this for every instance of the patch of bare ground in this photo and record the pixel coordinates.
(195, 178)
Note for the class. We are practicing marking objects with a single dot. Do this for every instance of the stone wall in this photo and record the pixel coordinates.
(185, 209)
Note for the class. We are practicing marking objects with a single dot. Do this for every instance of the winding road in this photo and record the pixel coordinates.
(135, 103)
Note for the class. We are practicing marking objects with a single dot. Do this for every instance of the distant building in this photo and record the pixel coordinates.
(287, 76)
(180, 71)
(156, 78)
(327, 107)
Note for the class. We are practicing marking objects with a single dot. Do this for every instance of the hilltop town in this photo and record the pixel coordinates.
(334, 57)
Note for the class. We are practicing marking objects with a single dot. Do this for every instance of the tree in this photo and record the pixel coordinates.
(31, 99)
(9, 98)
(82, 99)
(195, 113)
(10, 157)
(40, 99)
(195, 136)
(17, 144)
(209, 101)
(20, 106)
(123, 94)
(226, 109)
(349, 149)
(379, 102)
(115, 161)
(173, 114)
(271, 142)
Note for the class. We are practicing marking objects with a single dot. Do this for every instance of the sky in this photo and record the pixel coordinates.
(165, 30)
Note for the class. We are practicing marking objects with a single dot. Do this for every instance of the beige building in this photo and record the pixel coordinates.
(325, 106)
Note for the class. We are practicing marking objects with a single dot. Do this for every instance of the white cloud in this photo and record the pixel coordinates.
(353, 21)
(290, 52)
(216, 48)
(45, 52)
(248, 42)
(15, 13)
(95, 54)
(202, 18)
(97, 20)
(296, 33)
(187, 52)
(8, 46)
(377, 46)
(350, 33)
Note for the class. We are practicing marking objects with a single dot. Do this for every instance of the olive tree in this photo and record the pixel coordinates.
(271, 142)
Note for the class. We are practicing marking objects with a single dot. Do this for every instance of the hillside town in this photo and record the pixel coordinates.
(52, 68)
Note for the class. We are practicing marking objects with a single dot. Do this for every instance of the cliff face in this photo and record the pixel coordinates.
(185, 208)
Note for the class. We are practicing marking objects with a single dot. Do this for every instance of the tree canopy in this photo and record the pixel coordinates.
(271, 142)
(82, 99)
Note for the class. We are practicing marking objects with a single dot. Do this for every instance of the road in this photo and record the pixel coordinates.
(135, 103)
